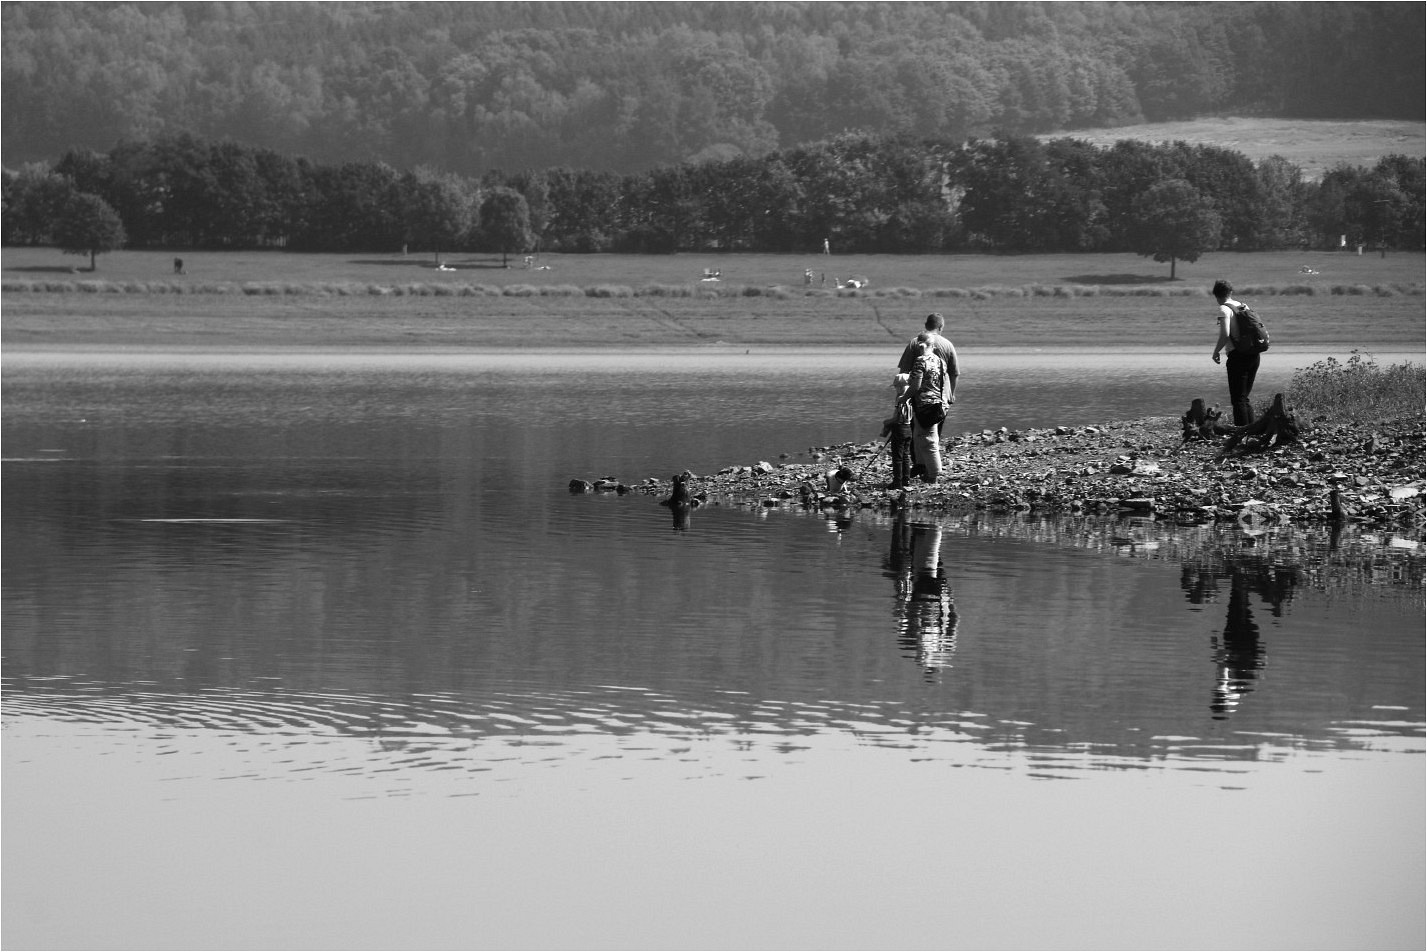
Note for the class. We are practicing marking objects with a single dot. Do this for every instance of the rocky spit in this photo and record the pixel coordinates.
(1333, 473)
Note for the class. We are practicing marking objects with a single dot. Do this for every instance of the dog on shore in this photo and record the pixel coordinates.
(837, 478)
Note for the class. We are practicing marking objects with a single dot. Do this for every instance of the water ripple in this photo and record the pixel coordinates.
(295, 733)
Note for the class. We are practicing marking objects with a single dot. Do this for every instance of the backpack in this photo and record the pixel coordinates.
(1251, 331)
(926, 399)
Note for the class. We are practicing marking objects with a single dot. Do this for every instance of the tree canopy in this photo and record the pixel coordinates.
(505, 222)
(625, 87)
(863, 193)
(87, 225)
(1174, 222)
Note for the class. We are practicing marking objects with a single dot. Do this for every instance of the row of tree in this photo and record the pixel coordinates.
(623, 87)
(861, 193)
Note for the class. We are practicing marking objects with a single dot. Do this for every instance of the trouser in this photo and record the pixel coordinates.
(926, 444)
(1242, 368)
(901, 461)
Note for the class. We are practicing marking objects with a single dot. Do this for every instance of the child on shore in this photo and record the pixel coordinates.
(897, 429)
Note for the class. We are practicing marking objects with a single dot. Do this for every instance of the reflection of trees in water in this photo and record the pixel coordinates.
(925, 613)
(1262, 575)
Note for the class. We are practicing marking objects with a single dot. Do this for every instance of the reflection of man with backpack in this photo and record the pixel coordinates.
(1242, 332)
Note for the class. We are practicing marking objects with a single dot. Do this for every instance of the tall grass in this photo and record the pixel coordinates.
(1358, 390)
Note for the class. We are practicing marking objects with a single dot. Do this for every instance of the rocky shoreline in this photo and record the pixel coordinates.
(1333, 473)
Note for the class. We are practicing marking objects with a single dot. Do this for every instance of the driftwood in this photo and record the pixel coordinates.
(1201, 422)
(1276, 427)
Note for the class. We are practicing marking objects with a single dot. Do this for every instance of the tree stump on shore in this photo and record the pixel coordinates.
(1276, 427)
(1200, 422)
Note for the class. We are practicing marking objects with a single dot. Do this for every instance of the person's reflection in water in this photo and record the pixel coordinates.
(1239, 654)
(925, 612)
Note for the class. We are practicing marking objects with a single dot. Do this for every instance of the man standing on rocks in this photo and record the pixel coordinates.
(1242, 365)
(924, 440)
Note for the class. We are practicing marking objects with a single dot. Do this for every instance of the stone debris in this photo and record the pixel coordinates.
(1141, 467)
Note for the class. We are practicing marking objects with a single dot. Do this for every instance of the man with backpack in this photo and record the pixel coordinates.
(927, 439)
(944, 349)
(929, 393)
(1242, 334)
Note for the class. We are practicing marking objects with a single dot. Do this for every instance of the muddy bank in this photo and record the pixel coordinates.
(1333, 473)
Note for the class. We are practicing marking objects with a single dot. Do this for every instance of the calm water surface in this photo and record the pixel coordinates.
(312, 651)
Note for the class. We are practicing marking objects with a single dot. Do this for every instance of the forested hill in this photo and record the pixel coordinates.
(625, 87)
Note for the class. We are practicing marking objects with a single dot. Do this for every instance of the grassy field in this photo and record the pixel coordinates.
(256, 299)
(1314, 145)
(210, 271)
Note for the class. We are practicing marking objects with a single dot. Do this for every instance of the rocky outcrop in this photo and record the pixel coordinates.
(1143, 467)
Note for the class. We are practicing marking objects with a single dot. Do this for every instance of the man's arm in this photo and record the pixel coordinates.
(952, 371)
(1225, 313)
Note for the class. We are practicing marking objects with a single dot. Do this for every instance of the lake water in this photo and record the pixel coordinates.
(318, 651)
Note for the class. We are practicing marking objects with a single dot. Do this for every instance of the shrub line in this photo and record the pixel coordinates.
(777, 291)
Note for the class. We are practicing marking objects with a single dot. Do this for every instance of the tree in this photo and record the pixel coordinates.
(584, 210)
(33, 201)
(505, 222)
(87, 225)
(1280, 213)
(1325, 206)
(1172, 220)
(354, 207)
(437, 209)
(1018, 200)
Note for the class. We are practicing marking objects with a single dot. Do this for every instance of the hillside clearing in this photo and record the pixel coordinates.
(1314, 145)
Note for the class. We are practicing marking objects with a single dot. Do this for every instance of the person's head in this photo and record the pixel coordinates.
(935, 322)
(1222, 290)
(925, 341)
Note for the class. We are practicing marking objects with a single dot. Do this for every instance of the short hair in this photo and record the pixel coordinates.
(935, 321)
(1222, 288)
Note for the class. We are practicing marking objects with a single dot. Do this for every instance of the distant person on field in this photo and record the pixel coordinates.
(1242, 365)
(178, 266)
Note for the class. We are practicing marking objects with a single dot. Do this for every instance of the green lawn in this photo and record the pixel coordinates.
(758, 270)
(1111, 302)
